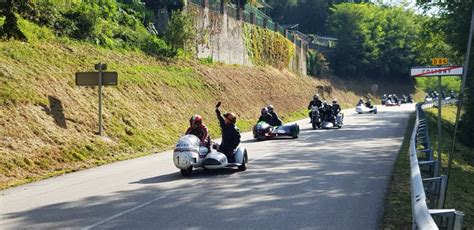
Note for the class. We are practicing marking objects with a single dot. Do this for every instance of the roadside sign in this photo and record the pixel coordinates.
(374, 87)
(100, 79)
(431, 71)
(92, 78)
(439, 61)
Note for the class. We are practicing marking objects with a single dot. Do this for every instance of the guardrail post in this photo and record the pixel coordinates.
(277, 27)
(442, 191)
(458, 220)
(265, 22)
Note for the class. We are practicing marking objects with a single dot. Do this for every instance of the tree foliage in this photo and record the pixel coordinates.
(454, 18)
(376, 41)
(180, 31)
(109, 23)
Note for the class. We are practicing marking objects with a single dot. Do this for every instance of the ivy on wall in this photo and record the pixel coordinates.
(266, 47)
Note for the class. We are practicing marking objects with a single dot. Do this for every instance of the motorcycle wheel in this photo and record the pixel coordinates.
(187, 172)
(243, 166)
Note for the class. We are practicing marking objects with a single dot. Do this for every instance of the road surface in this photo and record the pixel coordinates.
(325, 179)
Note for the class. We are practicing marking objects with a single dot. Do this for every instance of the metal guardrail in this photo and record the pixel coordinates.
(428, 187)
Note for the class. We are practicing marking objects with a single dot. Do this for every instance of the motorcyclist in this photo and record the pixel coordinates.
(197, 128)
(328, 113)
(230, 133)
(395, 98)
(336, 108)
(384, 99)
(452, 94)
(361, 101)
(275, 120)
(265, 116)
(368, 104)
(315, 102)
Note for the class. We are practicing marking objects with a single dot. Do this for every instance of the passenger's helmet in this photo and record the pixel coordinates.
(334, 101)
(264, 111)
(195, 121)
(231, 117)
(325, 103)
(270, 108)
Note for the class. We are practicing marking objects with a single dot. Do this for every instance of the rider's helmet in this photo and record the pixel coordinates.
(195, 121)
(270, 108)
(264, 111)
(334, 101)
(231, 117)
(316, 97)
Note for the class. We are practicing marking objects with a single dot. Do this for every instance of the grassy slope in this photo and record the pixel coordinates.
(460, 193)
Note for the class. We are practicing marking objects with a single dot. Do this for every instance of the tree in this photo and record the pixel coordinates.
(382, 42)
(455, 17)
(180, 31)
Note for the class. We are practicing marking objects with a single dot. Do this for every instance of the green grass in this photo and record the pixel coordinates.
(460, 195)
(397, 204)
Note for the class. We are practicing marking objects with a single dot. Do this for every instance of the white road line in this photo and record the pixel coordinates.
(122, 213)
(145, 204)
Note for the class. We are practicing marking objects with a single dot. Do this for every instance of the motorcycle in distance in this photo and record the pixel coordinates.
(262, 131)
(189, 154)
(315, 117)
(362, 108)
(337, 123)
(390, 102)
(406, 100)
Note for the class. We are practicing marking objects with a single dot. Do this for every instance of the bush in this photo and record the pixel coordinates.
(180, 31)
(106, 23)
(317, 64)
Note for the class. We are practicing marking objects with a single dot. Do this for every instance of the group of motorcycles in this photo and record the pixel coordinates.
(433, 96)
(394, 100)
(189, 153)
(319, 120)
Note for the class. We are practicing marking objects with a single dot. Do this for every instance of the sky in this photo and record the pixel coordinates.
(409, 4)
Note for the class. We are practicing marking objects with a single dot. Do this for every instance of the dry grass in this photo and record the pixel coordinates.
(47, 124)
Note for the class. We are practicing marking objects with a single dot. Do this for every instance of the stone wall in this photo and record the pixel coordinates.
(222, 38)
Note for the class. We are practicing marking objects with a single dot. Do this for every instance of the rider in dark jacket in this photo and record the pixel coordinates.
(368, 104)
(275, 120)
(265, 116)
(230, 133)
(328, 113)
(336, 108)
(315, 102)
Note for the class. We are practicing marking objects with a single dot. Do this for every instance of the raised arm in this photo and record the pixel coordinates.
(219, 116)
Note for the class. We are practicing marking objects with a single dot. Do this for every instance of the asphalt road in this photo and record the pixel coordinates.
(325, 179)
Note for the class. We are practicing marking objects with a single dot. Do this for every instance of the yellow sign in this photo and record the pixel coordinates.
(439, 61)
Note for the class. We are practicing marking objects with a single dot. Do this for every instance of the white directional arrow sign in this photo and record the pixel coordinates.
(430, 71)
